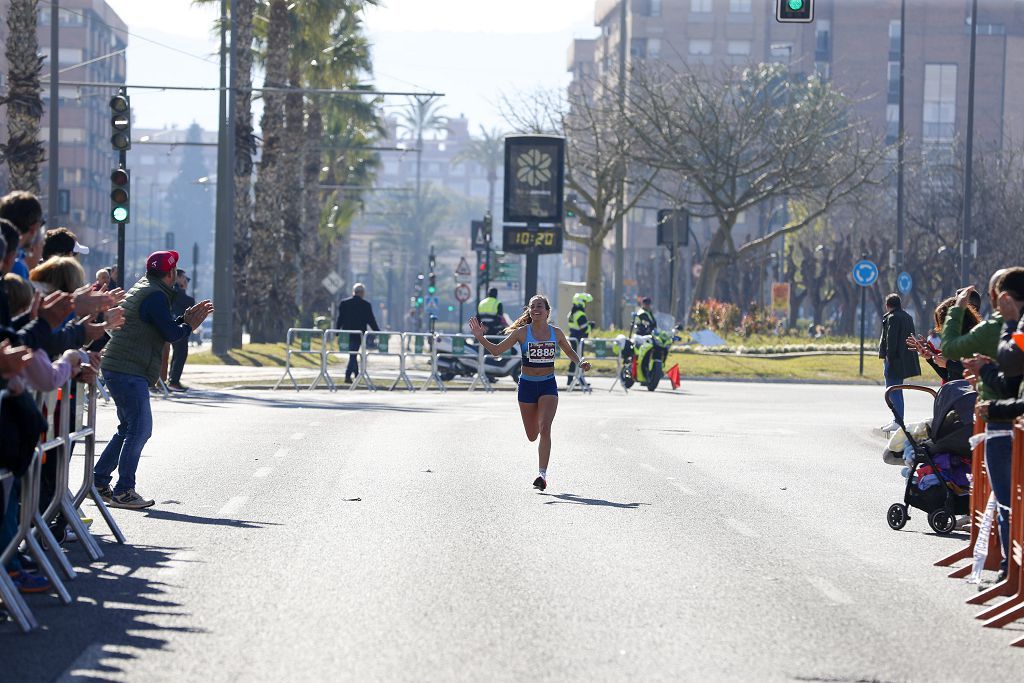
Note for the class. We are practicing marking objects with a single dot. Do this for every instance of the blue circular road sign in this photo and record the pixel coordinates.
(865, 273)
(904, 282)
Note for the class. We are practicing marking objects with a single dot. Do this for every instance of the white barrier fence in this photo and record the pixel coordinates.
(34, 525)
(446, 356)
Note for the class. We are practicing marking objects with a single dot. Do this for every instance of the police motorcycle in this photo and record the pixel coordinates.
(643, 358)
(461, 358)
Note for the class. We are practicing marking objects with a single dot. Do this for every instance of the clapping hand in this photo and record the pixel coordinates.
(976, 362)
(195, 315)
(55, 308)
(89, 301)
(13, 359)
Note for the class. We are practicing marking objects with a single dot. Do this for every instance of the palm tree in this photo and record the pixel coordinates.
(271, 287)
(421, 114)
(23, 152)
(488, 151)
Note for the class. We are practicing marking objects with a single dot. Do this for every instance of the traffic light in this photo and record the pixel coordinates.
(120, 122)
(431, 283)
(488, 224)
(120, 194)
(794, 11)
(570, 199)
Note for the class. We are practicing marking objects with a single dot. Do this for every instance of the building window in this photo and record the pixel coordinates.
(71, 135)
(700, 47)
(894, 40)
(700, 6)
(739, 6)
(894, 82)
(892, 123)
(939, 102)
(738, 48)
(654, 10)
(823, 70)
(823, 40)
(638, 48)
(653, 48)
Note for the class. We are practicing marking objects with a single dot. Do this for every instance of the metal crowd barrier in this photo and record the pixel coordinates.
(423, 345)
(383, 346)
(305, 338)
(33, 525)
(342, 340)
(595, 350)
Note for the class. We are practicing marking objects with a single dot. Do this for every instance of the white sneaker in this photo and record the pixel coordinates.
(891, 427)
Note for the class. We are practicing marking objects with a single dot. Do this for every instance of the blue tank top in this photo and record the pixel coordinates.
(539, 353)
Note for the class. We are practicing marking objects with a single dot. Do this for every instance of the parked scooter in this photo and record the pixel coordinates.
(643, 359)
(465, 361)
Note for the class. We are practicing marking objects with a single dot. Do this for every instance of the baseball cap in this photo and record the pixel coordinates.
(162, 261)
(80, 248)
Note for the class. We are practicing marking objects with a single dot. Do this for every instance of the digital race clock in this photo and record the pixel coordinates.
(532, 240)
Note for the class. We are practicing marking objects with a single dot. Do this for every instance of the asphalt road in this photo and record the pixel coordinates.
(726, 531)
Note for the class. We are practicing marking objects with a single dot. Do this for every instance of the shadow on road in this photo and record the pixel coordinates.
(217, 521)
(117, 618)
(579, 500)
(216, 399)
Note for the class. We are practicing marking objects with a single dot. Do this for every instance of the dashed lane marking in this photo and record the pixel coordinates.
(688, 491)
(233, 505)
(739, 527)
(281, 453)
(298, 436)
(830, 590)
(649, 468)
(263, 472)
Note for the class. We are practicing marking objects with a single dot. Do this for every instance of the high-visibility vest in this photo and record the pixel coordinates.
(578, 319)
(488, 306)
(644, 321)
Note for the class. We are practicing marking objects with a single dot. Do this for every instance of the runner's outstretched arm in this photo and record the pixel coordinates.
(478, 330)
(567, 349)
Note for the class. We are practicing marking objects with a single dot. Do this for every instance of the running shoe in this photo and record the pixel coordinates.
(539, 483)
(105, 493)
(130, 500)
(30, 583)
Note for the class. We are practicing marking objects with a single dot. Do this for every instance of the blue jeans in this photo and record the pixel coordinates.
(998, 458)
(135, 425)
(897, 396)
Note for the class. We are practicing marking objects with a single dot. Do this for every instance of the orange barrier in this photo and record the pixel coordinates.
(980, 491)
(1012, 609)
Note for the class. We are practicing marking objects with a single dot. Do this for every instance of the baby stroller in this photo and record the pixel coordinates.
(946, 451)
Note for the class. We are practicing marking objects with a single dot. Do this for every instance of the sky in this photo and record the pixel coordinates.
(473, 51)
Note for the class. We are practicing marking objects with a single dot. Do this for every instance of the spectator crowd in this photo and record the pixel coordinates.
(56, 325)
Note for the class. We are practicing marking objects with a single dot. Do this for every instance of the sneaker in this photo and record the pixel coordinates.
(539, 483)
(891, 427)
(105, 493)
(87, 521)
(1001, 576)
(30, 583)
(130, 500)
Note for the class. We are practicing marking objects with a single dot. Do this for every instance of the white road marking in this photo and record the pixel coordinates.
(87, 666)
(739, 528)
(177, 562)
(281, 453)
(262, 472)
(233, 505)
(298, 436)
(684, 489)
(830, 590)
(604, 436)
(649, 468)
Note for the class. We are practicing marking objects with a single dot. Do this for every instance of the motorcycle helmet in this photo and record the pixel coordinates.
(581, 299)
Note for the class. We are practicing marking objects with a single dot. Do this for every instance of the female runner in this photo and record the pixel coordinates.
(538, 392)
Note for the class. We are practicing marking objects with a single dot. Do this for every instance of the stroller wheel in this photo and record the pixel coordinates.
(941, 521)
(897, 516)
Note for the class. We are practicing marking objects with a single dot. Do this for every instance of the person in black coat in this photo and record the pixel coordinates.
(355, 314)
(900, 362)
(182, 302)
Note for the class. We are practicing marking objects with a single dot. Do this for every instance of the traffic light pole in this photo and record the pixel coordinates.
(122, 159)
(53, 164)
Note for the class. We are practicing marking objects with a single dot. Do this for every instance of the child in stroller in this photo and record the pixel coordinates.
(937, 477)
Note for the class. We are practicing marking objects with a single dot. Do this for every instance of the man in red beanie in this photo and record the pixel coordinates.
(131, 363)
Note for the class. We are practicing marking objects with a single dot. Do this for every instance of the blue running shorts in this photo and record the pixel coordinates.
(532, 388)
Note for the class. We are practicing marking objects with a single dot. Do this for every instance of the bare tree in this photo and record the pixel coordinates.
(599, 147)
(733, 140)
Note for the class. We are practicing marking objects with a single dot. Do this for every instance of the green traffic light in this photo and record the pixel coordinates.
(431, 289)
(451, 308)
(796, 5)
(120, 214)
(419, 300)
